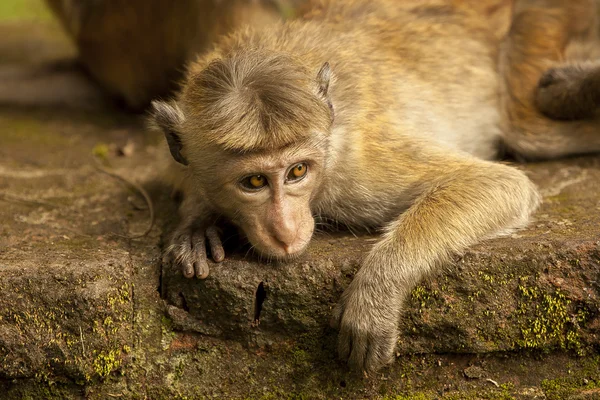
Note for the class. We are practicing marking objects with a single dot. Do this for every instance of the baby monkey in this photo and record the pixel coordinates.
(376, 114)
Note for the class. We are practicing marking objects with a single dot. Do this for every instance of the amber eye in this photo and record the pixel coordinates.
(298, 171)
(254, 182)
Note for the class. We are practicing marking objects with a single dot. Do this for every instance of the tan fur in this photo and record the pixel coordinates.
(418, 108)
(242, 96)
(546, 37)
(137, 49)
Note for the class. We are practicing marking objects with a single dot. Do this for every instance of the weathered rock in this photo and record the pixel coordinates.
(67, 295)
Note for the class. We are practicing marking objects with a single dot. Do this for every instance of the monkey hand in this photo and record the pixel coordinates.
(188, 249)
(367, 319)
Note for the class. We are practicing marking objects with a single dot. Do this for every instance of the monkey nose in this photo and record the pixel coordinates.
(286, 240)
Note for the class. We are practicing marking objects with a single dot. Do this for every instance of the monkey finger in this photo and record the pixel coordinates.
(202, 269)
(199, 254)
(180, 250)
(216, 245)
(344, 344)
(380, 353)
(188, 269)
(358, 355)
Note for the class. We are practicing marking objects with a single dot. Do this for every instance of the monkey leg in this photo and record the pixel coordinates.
(539, 84)
(137, 49)
(472, 200)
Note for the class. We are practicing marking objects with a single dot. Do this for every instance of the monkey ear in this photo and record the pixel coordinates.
(168, 118)
(323, 78)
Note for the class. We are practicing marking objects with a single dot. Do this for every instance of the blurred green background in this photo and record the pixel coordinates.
(18, 10)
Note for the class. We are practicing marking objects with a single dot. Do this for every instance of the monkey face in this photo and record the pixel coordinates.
(269, 195)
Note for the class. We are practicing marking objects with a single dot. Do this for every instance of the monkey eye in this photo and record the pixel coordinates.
(297, 172)
(254, 182)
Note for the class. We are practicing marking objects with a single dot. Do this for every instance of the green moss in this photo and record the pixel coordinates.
(300, 357)
(17, 129)
(166, 323)
(425, 297)
(584, 377)
(120, 296)
(106, 363)
(101, 151)
(414, 396)
(280, 394)
(545, 320)
(179, 369)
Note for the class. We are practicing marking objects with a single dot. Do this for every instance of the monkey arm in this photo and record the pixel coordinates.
(470, 201)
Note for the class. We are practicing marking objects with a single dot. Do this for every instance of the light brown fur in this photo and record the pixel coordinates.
(137, 49)
(409, 107)
(548, 40)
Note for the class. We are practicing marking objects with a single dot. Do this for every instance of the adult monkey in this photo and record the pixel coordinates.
(376, 114)
(134, 50)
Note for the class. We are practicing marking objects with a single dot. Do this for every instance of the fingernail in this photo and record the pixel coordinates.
(204, 274)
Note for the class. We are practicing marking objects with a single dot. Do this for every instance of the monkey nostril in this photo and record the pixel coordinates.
(285, 245)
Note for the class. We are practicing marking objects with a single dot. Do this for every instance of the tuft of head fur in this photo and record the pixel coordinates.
(256, 100)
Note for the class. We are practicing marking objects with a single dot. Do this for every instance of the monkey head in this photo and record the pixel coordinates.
(252, 130)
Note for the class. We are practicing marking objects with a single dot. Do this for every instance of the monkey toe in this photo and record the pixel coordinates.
(381, 351)
(344, 345)
(181, 253)
(358, 355)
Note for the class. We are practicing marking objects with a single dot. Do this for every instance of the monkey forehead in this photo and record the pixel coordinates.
(251, 101)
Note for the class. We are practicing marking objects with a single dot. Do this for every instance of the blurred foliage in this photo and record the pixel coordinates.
(15, 10)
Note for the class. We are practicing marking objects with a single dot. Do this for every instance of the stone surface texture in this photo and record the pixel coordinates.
(86, 312)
